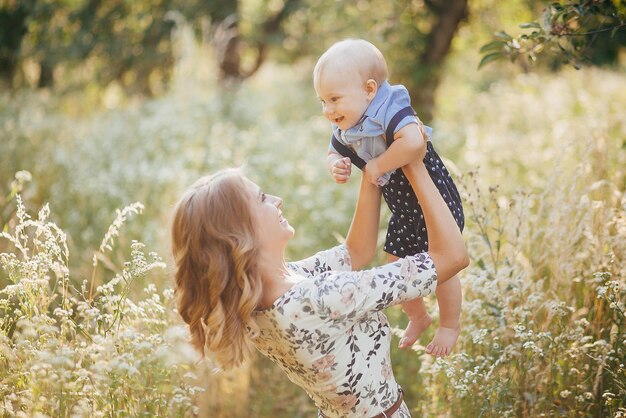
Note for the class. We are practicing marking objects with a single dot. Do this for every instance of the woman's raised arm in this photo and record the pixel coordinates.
(363, 234)
(445, 244)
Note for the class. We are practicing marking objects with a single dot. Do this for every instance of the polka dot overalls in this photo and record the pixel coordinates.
(406, 231)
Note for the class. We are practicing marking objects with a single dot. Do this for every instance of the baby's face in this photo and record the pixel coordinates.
(344, 96)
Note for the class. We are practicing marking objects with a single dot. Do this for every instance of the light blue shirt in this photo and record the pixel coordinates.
(367, 137)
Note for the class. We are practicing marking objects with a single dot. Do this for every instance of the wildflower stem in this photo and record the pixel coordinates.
(93, 279)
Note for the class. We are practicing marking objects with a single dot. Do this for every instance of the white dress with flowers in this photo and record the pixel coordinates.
(329, 335)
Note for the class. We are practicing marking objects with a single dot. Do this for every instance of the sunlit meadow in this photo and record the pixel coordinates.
(88, 326)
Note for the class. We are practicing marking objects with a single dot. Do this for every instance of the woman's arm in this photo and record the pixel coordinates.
(363, 234)
(445, 244)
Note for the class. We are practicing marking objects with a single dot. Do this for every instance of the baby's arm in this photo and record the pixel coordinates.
(408, 144)
(339, 167)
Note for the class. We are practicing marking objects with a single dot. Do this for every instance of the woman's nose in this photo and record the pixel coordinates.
(278, 202)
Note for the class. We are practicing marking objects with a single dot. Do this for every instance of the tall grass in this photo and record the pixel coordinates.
(69, 351)
(540, 160)
(544, 313)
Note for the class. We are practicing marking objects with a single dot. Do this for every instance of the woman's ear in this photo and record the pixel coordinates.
(371, 86)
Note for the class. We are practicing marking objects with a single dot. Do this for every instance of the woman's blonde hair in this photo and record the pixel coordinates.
(215, 248)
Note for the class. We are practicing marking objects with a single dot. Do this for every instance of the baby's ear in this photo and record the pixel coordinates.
(371, 86)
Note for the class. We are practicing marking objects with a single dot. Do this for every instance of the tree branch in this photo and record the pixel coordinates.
(271, 27)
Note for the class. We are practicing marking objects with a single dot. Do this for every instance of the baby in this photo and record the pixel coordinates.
(375, 128)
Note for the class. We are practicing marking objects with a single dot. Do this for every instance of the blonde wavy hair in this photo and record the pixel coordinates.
(215, 247)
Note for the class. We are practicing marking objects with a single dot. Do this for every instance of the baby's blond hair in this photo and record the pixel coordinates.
(357, 55)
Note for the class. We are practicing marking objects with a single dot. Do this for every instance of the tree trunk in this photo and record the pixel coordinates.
(12, 30)
(46, 75)
(449, 13)
(228, 44)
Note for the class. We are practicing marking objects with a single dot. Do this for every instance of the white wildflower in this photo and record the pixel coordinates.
(23, 176)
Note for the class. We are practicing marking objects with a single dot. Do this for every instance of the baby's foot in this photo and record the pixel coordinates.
(442, 343)
(414, 329)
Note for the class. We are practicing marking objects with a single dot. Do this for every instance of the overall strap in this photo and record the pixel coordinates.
(347, 152)
(395, 120)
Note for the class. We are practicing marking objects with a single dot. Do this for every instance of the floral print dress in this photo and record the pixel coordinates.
(328, 333)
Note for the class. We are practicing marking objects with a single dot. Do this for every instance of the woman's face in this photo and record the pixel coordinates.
(273, 229)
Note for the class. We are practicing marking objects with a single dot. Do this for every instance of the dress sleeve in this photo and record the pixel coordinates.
(350, 295)
(334, 259)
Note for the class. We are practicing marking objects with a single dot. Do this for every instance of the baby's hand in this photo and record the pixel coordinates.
(372, 173)
(341, 170)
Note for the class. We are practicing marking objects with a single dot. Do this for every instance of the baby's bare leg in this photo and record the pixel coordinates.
(419, 319)
(449, 299)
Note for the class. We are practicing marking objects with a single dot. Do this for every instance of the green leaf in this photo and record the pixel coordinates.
(556, 6)
(530, 25)
(491, 46)
(481, 264)
(503, 35)
(615, 29)
(490, 57)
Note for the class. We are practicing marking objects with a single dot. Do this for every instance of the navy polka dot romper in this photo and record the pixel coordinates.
(406, 232)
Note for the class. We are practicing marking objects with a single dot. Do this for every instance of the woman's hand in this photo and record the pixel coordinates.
(372, 173)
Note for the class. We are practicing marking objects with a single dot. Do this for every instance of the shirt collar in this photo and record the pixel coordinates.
(384, 90)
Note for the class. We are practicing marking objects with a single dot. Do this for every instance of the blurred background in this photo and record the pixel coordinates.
(103, 104)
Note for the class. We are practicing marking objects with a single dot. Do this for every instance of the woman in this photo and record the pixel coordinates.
(320, 319)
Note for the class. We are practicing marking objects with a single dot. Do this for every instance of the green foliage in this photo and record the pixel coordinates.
(567, 31)
(77, 43)
(120, 40)
(73, 44)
